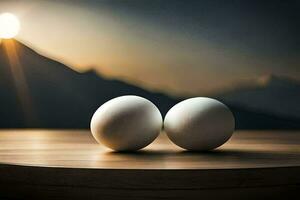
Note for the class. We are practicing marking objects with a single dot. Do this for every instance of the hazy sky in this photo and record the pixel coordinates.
(177, 46)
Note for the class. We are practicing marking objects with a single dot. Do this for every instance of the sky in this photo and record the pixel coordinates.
(179, 47)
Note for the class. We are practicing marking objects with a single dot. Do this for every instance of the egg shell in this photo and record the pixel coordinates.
(199, 124)
(126, 123)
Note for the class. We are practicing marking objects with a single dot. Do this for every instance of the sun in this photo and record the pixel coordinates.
(9, 26)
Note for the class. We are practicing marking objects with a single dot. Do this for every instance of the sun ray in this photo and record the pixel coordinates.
(20, 81)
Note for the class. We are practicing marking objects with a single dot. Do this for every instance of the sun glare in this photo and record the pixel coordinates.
(9, 26)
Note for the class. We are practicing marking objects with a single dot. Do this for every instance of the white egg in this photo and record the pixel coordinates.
(126, 123)
(199, 124)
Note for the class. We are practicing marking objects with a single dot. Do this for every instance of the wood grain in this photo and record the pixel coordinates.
(58, 164)
(78, 149)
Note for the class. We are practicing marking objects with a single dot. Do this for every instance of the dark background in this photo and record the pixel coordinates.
(39, 92)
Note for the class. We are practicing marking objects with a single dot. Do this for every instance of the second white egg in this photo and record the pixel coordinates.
(199, 124)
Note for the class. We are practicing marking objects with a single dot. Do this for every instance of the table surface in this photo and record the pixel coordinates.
(78, 149)
(60, 164)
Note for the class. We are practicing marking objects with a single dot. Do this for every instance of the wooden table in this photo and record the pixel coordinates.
(60, 164)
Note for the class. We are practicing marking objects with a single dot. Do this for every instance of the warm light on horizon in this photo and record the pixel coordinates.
(9, 26)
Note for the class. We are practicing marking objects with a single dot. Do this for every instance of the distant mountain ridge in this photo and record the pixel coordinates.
(276, 95)
(36, 91)
(272, 101)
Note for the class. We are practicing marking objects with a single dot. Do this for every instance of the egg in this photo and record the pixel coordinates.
(126, 123)
(199, 124)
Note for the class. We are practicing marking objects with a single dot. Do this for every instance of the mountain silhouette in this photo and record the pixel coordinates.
(51, 95)
(38, 92)
(268, 102)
